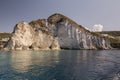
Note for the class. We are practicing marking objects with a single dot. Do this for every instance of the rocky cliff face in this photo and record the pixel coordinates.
(56, 32)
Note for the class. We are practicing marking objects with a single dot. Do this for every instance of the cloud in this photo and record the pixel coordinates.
(97, 27)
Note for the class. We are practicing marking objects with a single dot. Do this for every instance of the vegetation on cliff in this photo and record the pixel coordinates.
(114, 37)
(5, 35)
(4, 38)
(40, 24)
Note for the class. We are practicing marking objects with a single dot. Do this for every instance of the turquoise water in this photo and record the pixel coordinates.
(60, 65)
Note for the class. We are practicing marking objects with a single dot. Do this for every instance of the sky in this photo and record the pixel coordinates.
(84, 12)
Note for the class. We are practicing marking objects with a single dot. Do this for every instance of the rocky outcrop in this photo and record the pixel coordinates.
(27, 36)
(22, 37)
(56, 32)
(73, 36)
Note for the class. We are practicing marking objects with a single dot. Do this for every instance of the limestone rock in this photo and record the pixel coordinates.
(42, 36)
(73, 36)
(35, 36)
(22, 37)
(54, 33)
(55, 45)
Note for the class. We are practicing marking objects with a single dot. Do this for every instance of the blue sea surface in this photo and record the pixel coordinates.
(60, 65)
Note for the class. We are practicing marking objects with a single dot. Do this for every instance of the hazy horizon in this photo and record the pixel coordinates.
(83, 12)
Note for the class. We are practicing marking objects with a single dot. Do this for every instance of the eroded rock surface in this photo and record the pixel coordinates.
(22, 37)
(56, 32)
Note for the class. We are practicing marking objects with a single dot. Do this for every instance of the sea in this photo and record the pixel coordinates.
(60, 65)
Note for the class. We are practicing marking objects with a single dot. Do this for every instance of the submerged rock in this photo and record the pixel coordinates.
(56, 32)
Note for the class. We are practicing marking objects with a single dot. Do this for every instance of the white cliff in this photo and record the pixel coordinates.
(73, 36)
(56, 32)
